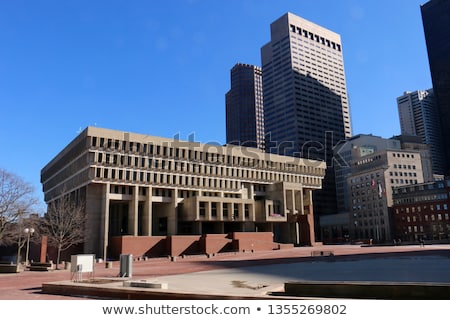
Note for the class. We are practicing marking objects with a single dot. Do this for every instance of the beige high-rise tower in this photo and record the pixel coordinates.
(306, 109)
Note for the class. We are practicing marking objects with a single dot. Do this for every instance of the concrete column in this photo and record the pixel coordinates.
(299, 207)
(310, 217)
(241, 212)
(105, 217)
(290, 202)
(251, 191)
(298, 201)
(147, 214)
(252, 212)
(133, 212)
(172, 219)
(208, 211)
(291, 231)
(220, 209)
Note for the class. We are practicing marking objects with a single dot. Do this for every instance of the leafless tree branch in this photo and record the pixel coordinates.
(64, 223)
(16, 202)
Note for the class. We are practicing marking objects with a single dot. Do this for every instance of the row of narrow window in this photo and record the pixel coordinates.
(425, 218)
(436, 229)
(192, 155)
(227, 209)
(191, 180)
(182, 166)
(317, 38)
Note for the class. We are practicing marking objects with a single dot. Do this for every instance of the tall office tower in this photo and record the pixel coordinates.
(435, 18)
(419, 117)
(306, 110)
(244, 107)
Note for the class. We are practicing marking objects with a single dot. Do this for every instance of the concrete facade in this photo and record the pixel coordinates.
(370, 187)
(304, 86)
(140, 185)
(349, 151)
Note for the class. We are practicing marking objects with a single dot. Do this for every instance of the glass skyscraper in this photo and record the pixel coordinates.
(436, 24)
(419, 117)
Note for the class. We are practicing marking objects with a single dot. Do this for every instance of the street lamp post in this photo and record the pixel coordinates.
(29, 232)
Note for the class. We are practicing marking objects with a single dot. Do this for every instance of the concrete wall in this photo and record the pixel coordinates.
(93, 242)
(52, 252)
(138, 246)
(156, 246)
(215, 243)
(248, 241)
(368, 290)
(179, 245)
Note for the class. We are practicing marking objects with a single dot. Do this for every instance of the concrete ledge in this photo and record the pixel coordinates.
(322, 253)
(40, 266)
(124, 293)
(368, 290)
(145, 284)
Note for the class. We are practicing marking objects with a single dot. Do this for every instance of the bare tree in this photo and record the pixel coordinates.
(16, 202)
(64, 223)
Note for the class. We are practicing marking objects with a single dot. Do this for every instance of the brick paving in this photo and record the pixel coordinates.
(27, 284)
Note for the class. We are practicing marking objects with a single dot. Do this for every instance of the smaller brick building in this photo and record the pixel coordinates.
(421, 211)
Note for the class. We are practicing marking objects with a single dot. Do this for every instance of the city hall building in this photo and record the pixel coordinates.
(140, 185)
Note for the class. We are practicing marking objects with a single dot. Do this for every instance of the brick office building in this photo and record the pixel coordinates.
(142, 186)
(422, 211)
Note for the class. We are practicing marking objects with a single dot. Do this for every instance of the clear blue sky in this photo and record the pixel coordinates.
(163, 67)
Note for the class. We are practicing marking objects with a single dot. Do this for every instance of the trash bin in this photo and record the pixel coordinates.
(126, 265)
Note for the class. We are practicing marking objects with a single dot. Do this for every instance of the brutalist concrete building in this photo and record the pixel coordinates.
(141, 185)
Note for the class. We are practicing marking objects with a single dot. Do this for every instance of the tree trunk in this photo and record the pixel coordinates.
(58, 256)
(18, 269)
